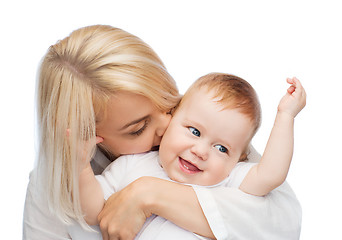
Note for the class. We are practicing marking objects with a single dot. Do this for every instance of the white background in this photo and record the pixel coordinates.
(261, 41)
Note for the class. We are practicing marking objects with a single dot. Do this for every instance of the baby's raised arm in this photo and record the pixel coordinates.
(91, 194)
(274, 165)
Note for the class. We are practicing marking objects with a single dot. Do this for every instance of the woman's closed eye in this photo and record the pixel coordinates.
(194, 131)
(141, 130)
(221, 148)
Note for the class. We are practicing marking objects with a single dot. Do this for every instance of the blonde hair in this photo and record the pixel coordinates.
(232, 92)
(77, 77)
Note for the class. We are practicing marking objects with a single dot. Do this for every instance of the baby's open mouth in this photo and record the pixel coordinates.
(188, 167)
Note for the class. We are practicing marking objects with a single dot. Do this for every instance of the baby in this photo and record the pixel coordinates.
(206, 144)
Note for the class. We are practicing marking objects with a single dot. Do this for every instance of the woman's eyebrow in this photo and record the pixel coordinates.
(134, 122)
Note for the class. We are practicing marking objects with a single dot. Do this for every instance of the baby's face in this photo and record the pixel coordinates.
(203, 142)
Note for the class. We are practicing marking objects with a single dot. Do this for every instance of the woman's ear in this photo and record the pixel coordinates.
(99, 139)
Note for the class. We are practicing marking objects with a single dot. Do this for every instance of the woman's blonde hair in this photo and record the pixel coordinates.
(77, 77)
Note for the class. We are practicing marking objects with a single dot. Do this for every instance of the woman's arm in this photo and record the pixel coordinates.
(126, 211)
(178, 203)
(228, 211)
(233, 214)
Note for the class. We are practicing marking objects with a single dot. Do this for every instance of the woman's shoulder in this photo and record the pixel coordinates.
(39, 222)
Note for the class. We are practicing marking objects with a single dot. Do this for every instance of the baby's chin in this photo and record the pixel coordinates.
(197, 182)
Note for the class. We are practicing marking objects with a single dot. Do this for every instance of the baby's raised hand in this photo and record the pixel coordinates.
(295, 98)
(85, 150)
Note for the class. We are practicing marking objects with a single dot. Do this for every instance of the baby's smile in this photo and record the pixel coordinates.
(188, 167)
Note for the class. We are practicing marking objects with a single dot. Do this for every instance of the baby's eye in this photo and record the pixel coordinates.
(221, 148)
(194, 131)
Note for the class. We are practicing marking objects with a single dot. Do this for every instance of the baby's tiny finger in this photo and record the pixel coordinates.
(289, 80)
(297, 82)
(291, 89)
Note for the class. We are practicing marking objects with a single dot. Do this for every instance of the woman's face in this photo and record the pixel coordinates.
(132, 124)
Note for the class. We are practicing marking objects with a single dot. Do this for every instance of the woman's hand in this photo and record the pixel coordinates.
(123, 214)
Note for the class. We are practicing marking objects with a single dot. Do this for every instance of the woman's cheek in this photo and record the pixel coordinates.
(144, 143)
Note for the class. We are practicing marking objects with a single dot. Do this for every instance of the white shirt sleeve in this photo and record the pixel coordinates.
(110, 179)
(233, 214)
(38, 222)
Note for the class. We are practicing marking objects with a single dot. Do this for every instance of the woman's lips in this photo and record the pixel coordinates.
(188, 167)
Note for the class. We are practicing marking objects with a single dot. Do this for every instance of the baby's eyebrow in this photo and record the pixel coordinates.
(134, 122)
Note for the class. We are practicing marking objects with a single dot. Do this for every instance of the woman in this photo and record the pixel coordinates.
(106, 83)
